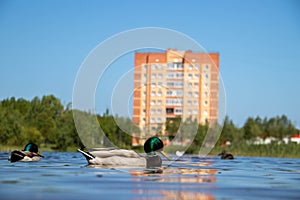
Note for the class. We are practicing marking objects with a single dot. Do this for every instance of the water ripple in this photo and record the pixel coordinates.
(67, 176)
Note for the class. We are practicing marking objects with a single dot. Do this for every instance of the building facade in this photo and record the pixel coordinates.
(174, 84)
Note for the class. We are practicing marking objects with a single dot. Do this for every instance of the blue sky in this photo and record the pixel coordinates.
(43, 44)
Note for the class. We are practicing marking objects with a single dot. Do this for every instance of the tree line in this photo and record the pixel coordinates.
(46, 121)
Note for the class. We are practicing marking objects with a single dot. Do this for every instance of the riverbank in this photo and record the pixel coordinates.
(42, 148)
(291, 150)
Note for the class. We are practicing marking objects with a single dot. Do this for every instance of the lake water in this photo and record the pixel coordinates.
(66, 176)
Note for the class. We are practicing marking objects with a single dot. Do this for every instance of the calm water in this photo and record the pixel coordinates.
(66, 176)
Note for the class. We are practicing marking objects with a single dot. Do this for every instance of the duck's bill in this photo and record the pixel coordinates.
(165, 155)
(41, 155)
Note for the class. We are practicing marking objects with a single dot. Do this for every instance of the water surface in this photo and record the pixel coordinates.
(66, 176)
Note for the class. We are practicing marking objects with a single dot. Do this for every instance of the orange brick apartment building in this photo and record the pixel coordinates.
(174, 83)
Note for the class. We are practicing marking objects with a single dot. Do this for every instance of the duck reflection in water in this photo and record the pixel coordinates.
(225, 155)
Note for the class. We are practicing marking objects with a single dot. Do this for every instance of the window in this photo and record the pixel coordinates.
(174, 93)
(196, 76)
(190, 67)
(195, 112)
(189, 112)
(190, 94)
(152, 94)
(152, 120)
(170, 75)
(179, 84)
(173, 75)
(179, 93)
(158, 102)
(196, 103)
(152, 111)
(205, 103)
(197, 67)
(170, 65)
(196, 85)
(152, 102)
(158, 120)
(170, 84)
(176, 102)
(153, 76)
(169, 110)
(196, 94)
(153, 84)
(158, 111)
(153, 66)
(159, 76)
(178, 111)
(205, 113)
(174, 84)
(159, 84)
(190, 76)
(144, 76)
(179, 75)
(189, 102)
(159, 93)
(180, 66)
(175, 65)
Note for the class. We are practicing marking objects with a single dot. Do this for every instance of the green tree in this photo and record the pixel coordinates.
(172, 126)
(251, 129)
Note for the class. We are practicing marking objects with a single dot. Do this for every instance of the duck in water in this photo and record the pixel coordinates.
(225, 155)
(129, 158)
(30, 153)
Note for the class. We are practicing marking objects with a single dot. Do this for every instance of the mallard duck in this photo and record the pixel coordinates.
(30, 153)
(225, 155)
(128, 158)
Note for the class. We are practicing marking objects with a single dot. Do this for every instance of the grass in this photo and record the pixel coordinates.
(291, 150)
(42, 148)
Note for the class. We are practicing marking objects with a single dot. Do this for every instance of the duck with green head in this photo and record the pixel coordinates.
(30, 153)
(128, 158)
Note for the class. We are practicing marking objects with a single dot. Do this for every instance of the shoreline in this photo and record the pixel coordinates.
(284, 152)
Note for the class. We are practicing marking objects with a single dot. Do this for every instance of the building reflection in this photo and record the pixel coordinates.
(189, 183)
(182, 195)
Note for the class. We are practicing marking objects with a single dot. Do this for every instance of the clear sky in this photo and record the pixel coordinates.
(43, 44)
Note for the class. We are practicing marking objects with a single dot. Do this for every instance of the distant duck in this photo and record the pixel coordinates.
(30, 153)
(127, 158)
(225, 155)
